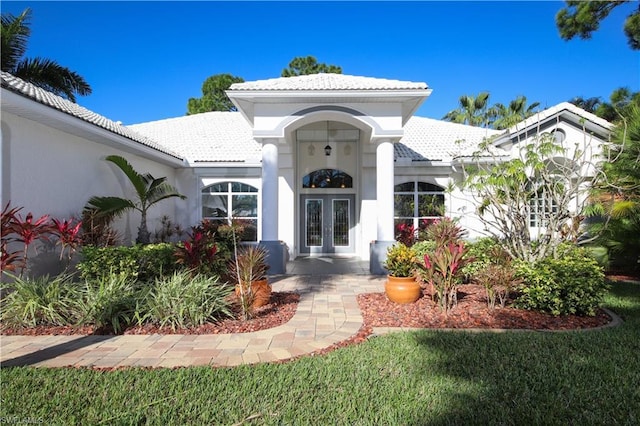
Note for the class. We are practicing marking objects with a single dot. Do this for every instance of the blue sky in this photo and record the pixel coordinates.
(144, 60)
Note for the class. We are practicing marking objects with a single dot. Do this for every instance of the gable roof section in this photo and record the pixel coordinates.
(326, 82)
(426, 139)
(55, 102)
(565, 109)
(215, 137)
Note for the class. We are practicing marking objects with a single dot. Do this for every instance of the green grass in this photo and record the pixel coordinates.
(419, 378)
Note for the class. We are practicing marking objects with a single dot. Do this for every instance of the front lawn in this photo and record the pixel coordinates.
(426, 377)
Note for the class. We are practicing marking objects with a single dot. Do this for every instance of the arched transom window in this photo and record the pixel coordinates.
(327, 178)
(226, 201)
(417, 204)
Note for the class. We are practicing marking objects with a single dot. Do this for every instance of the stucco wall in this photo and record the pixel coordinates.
(47, 171)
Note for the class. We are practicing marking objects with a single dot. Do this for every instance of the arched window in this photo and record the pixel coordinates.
(327, 178)
(225, 201)
(417, 204)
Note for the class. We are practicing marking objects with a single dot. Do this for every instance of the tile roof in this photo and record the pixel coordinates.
(208, 137)
(37, 94)
(328, 81)
(227, 137)
(426, 139)
(558, 109)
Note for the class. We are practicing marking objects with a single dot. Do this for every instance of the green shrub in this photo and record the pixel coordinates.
(108, 301)
(573, 283)
(183, 301)
(424, 247)
(483, 252)
(139, 262)
(30, 302)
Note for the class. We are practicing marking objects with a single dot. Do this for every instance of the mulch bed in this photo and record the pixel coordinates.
(471, 312)
(279, 311)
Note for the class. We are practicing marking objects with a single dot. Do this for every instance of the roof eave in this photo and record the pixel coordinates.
(28, 108)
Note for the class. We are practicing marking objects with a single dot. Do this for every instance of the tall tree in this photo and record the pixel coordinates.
(472, 110)
(620, 102)
(587, 104)
(503, 117)
(214, 97)
(308, 65)
(149, 191)
(617, 194)
(42, 72)
(581, 18)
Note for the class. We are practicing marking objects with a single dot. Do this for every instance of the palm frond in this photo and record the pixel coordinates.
(15, 35)
(110, 206)
(53, 77)
(139, 182)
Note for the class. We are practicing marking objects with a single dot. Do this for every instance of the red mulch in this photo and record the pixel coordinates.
(471, 312)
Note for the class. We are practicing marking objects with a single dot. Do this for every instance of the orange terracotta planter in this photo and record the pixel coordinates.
(402, 289)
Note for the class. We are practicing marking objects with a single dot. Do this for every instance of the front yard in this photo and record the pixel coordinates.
(426, 377)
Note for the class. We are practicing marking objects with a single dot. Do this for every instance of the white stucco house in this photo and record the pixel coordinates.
(323, 164)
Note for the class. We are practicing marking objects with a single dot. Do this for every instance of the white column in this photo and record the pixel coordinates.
(384, 189)
(270, 190)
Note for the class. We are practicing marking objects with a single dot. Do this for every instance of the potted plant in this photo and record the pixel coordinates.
(249, 270)
(401, 285)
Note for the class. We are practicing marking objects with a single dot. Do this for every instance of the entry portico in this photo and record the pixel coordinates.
(327, 161)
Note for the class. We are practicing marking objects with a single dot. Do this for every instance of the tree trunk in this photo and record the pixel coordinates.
(144, 237)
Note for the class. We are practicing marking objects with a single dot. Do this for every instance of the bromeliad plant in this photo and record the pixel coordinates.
(443, 272)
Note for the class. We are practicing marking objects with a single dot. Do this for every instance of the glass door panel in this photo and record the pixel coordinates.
(313, 223)
(341, 223)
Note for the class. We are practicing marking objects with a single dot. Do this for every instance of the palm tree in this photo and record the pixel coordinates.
(472, 111)
(148, 189)
(503, 117)
(42, 72)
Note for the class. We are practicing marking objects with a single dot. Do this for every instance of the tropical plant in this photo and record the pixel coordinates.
(182, 300)
(68, 235)
(108, 301)
(442, 271)
(249, 265)
(542, 180)
(617, 195)
(97, 230)
(401, 260)
(10, 260)
(206, 250)
(31, 302)
(503, 117)
(472, 110)
(28, 231)
(149, 191)
(443, 231)
(42, 72)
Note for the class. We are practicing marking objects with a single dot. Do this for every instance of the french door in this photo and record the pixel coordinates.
(327, 224)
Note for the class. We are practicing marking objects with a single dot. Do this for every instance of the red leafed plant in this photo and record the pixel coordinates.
(198, 252)
(9, 260)
(68, 234)
(28, 231)
(405, 234)
(442, 271)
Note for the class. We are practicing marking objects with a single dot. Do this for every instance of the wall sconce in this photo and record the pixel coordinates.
(327, 150)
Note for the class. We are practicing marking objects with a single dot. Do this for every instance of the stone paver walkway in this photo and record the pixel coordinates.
(327, 313)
